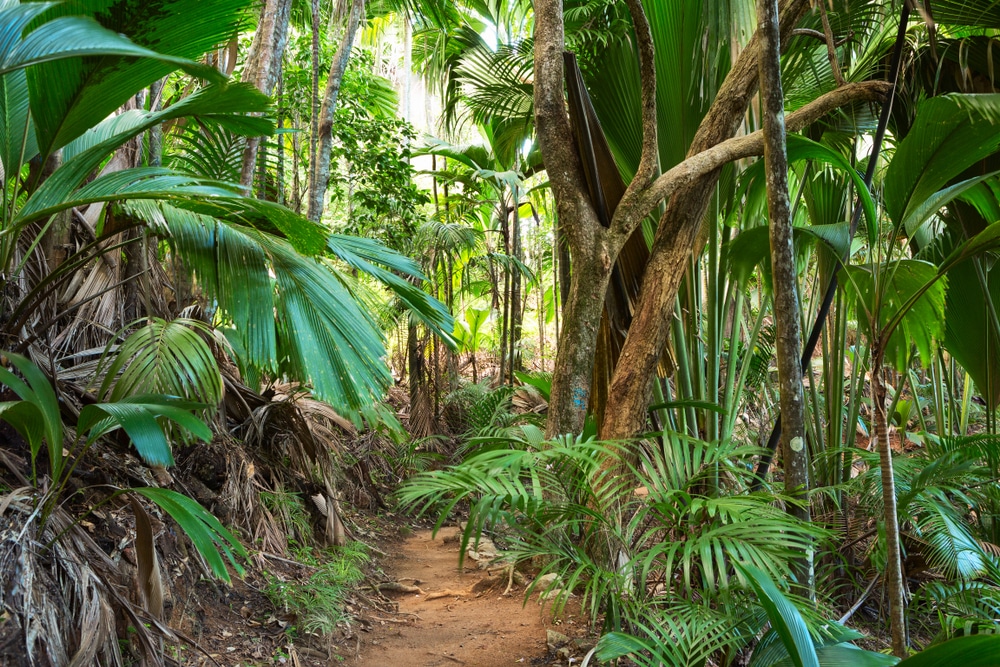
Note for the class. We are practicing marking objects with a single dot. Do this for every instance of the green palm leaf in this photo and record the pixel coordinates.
(971, 651)
(208, 535)
(44, 423)
(17, 134)
(321, 335)
(165, 357)
(910, 299)
(785, 618)
(139, 417)
(69, 96)
(979, 13)
(950, 134)
(370, 257)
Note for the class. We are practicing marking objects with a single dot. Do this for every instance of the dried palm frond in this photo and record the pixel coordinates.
(62, 592)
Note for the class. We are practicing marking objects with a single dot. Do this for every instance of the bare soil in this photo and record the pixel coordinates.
(462, 618)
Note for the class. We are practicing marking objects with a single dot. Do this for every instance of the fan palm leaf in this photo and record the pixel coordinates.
(91, 88)
(165, 357)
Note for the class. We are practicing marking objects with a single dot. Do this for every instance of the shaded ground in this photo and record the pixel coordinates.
(460, 618)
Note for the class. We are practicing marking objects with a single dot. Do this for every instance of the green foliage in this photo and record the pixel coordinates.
(950, 134)
(691, 634)
(36, 416)
(205, 531)
(142, 417)
(972, 651)
(902, 301)
(480, 410)
(288, 508)
(38, 419)
(318, 602)
(785, 618)
(91, 88)
(164, 357)
(561, 502)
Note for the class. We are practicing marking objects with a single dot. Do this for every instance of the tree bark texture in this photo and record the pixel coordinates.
(263, 65)
(586, 238)
(788, 337)
(516, 308)
(689, 186)
(314, 55)
(895, 586)
(677, 236)
(320, 172)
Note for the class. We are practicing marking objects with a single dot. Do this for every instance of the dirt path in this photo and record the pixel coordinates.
(475, 625)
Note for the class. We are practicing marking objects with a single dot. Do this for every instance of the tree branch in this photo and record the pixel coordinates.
(647, 79)
(750, 145)
(830, 45)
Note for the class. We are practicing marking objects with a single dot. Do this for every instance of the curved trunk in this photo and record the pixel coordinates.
(681, 231)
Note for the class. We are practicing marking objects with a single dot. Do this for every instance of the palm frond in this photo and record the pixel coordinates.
(165, 357)
(91, 88)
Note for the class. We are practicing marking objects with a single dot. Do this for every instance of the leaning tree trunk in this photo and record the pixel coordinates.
(588, 241)
(894, 564)
(679, 233)
(262, 67)
(319, 175)
(786, 300)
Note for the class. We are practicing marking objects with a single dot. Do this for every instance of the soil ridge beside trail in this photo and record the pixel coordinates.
(453, 618)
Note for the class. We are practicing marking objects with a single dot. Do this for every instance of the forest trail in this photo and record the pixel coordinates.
(459, 618)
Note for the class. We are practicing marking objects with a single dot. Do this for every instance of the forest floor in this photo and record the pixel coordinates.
(464, 617)
(428, 614)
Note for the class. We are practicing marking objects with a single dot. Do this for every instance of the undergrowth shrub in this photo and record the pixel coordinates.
(647, 534)
(318, 603)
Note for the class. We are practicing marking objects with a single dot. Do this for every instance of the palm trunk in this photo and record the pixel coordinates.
(505, 297)
(786, 301)
(894, 565)
(320, 172)
(314, 115)
(263, 66)
(516, 311)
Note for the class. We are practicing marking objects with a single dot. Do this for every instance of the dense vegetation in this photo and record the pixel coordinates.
(601, 244)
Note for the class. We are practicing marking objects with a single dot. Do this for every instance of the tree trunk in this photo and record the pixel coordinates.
(263, 66)
(577, 216)
(895, 585)
(516, 307)
(314, 114)
(565, 267)
(420, 408)
(320, 172)
(574, 366)
(678, 234)
(795, 455)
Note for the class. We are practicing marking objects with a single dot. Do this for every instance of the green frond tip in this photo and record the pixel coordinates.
(968, 651)
(142, 417)
(41, 422)
(209, 536)
(784, 617)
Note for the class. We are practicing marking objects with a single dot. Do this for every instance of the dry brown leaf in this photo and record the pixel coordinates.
(150, 581)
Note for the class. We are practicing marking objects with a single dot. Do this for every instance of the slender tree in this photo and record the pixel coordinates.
(263, 67)
(786, 299)
(320, 161)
